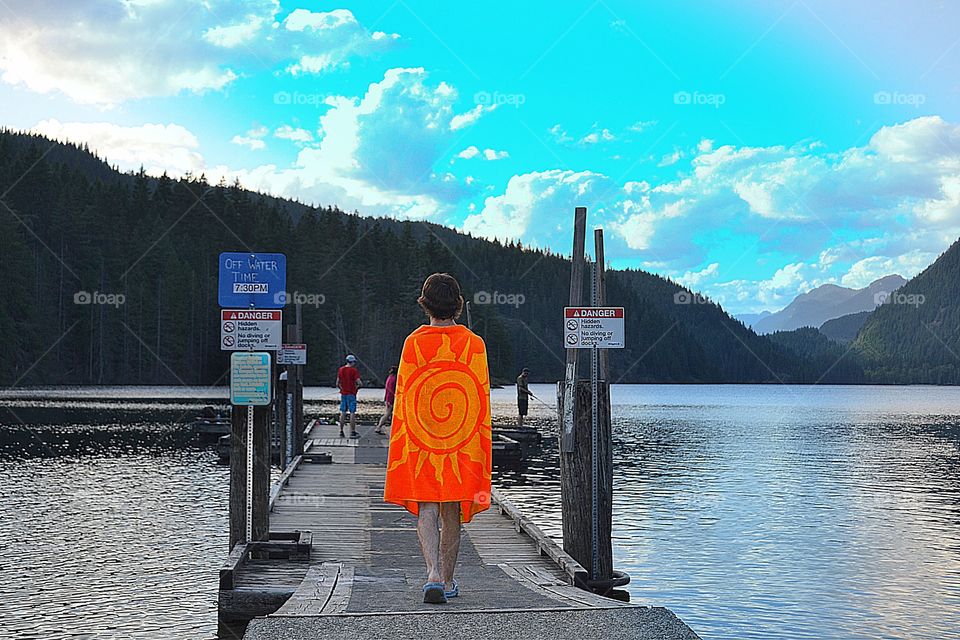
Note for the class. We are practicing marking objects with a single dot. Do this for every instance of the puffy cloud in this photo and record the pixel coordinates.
(106, 53)
(535, 206)
(487, 154)
(847, 216)
(238, 33)
(377, 152)
(295, 134)
(466, 119)
(253, 139)
(693, 279)
(596, 136)
(642, 125)
(337, 33)
(158, 148)
(865, 271)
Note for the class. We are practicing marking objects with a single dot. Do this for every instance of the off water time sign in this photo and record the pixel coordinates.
(589, 327)
(252, 280)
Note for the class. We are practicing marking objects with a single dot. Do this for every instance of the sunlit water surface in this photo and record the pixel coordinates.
(751, 512)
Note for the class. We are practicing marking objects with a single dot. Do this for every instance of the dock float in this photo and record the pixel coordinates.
(341, 563)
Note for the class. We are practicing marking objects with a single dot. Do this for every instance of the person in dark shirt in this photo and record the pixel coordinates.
(348, 382)
(523, 395)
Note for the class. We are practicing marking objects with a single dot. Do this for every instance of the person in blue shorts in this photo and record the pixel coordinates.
(348, 382)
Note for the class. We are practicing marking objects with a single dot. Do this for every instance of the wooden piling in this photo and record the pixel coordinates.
(576, 452)
(238, 473)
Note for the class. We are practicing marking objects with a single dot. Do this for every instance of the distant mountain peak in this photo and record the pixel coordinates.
(826, 302)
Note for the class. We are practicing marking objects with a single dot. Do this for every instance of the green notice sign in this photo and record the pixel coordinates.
(250, 378)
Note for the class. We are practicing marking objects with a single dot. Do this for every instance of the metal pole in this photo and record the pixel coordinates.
(288, 421)
(594, 442)
(249, 472)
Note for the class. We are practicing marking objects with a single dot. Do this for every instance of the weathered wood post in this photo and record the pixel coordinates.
(585, 436)
(602, 449)
(283, 421)
(295, 385)
(238, 473)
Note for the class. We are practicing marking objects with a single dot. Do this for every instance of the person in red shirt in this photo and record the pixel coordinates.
(389, 392)
(348, 382)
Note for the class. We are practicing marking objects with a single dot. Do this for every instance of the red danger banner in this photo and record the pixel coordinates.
(255, 315)
(593, 312)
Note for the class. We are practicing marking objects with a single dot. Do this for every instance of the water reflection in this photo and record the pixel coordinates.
(766, 513)
(752, 512)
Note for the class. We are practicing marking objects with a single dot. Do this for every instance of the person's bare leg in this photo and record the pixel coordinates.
(343, 416)
(449, 541)
(387, 414)
(428, 534)
(353, 422)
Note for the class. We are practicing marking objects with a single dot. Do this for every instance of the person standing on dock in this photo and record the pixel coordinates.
(523, 396)
(348, 382)
(438, 465)
(389, 393)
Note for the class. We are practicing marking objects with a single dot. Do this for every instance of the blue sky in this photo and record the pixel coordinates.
(751, 150)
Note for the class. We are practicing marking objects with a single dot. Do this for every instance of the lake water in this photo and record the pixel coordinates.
(750, 511)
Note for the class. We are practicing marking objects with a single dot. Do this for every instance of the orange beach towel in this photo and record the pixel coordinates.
(440, 436)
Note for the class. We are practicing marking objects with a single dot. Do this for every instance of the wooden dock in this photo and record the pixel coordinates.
(342, 563)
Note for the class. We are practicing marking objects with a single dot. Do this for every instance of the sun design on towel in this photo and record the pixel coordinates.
(440, 410)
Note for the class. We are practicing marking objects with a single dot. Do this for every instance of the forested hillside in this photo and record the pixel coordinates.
(69, 225)
(915, 336)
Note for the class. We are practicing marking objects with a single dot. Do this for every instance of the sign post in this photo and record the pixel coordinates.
(253, 288)
(586, 459)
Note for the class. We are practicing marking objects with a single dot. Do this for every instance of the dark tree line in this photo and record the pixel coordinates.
(70, 224)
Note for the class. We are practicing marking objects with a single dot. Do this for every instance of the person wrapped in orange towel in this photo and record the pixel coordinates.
(438, 466)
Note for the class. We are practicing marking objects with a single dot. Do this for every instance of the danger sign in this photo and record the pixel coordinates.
(589, 327)
(250, 329)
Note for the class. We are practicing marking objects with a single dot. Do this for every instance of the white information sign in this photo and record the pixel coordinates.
(589, 327)
(250, 329)
(292, 354)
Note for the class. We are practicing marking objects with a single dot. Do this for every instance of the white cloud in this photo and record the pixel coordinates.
(466, 119)
(294, 134)
(642, 125)
(535, 205)
(337, 33)
(671, 158)
(377, 152)
(596, 136)
(890, 205)
(487, 154)
(158, 148)
(560, 134)
(238, 33)
(253, 139)
(106, 53)
(693, 279)
(469, 152)
(865, 271)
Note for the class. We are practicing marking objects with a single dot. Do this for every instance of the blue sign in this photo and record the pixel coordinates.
(250, 377)
(257, 280)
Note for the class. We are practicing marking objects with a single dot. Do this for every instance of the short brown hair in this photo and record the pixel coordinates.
(441, 297)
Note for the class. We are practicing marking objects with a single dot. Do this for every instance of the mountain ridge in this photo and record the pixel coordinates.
(827, 302)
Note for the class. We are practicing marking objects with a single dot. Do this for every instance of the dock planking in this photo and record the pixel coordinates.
(364, 570)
